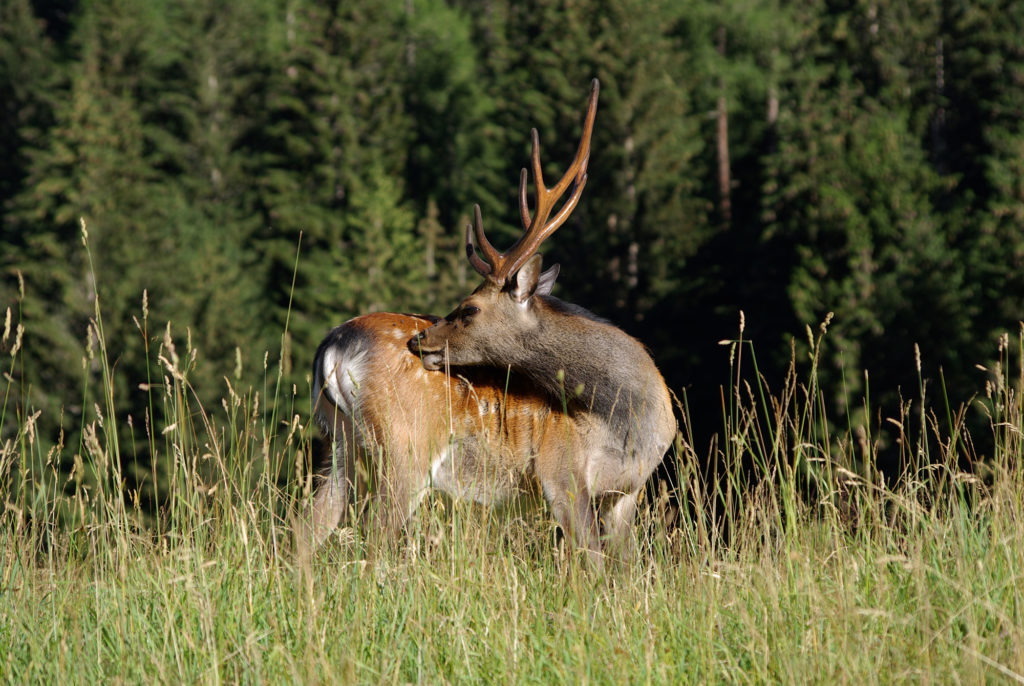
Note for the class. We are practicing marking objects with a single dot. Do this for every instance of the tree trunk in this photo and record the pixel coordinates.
(724, 175)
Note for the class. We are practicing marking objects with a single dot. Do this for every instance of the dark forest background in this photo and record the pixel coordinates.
(787, 159)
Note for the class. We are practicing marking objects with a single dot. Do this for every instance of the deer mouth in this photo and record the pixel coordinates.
(433, 362)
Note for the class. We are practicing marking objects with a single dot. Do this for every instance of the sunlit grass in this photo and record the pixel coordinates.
(795, 563)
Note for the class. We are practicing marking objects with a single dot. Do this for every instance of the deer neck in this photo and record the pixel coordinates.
(582, 361)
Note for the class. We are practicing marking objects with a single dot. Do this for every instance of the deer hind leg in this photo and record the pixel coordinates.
(329, 501)
(333, 484)
(617, 513)
(331, 490)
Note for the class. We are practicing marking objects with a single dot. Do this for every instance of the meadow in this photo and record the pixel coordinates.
(790, 561)
(784, 158)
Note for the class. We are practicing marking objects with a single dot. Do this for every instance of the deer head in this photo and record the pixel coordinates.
(488, 327)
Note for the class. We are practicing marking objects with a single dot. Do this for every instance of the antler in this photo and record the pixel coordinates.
(499, 266)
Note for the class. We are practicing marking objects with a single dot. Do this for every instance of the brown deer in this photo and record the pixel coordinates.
(513, 389)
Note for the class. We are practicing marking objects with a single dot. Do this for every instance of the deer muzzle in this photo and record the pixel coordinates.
(433, 360)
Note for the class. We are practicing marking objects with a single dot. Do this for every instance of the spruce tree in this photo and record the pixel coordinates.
(454, 158)
(141, 151)
(622, 257)
(28, 71)
(91, 166)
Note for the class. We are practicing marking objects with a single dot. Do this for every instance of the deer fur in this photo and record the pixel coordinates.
(398, 430)
(604, 378)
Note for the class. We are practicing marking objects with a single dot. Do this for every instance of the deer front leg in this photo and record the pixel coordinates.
(558, 470)
(617, 515)
(397, 487)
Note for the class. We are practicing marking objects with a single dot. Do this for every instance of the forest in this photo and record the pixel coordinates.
(251, 174)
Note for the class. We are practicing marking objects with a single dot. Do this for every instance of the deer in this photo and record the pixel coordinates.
(515, 391)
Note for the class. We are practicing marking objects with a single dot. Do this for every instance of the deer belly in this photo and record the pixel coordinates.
(468, 469)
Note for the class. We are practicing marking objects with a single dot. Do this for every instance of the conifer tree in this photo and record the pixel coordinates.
(332, 149)
(982, 135)
(203, 115)
(27, 75)
(90, 166)
(854, 200)
(454, 158)
(624, 256)
(784, 158)
(141, 152)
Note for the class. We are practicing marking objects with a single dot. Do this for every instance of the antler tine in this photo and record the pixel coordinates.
(479, 265)
(578, 182)
(524, 206)
(493, 257)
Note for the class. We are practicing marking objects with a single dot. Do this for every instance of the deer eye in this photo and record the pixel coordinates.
(468, 311)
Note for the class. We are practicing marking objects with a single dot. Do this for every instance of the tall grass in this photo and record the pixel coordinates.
(794, 561)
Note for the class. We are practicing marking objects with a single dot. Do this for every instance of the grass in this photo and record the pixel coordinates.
(797, 564)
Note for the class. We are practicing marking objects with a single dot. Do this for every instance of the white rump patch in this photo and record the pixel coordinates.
(343, 372)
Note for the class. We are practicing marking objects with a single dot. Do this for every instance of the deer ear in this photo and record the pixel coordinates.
(525, 282)
(547, 280)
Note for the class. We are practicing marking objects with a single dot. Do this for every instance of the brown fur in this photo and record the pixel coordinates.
(506, 436)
